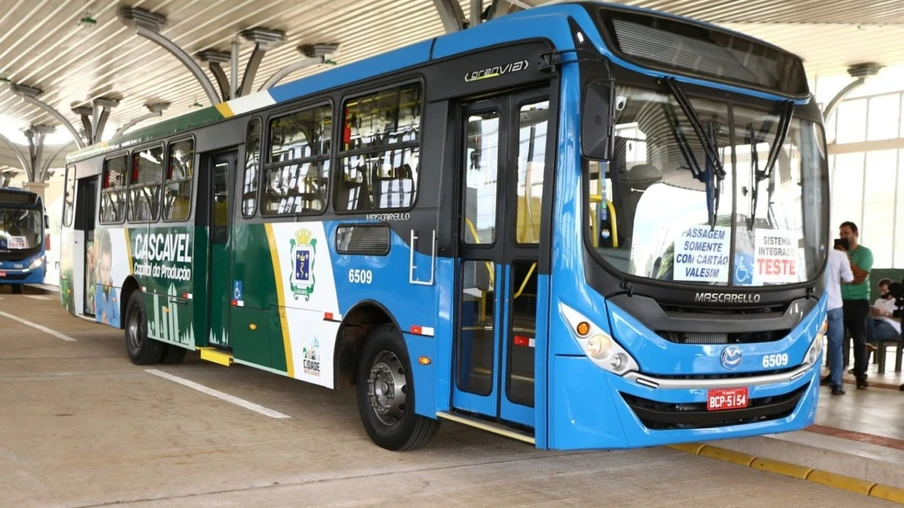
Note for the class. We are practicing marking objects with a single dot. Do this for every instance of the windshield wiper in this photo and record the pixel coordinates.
(708, 140)
(784, 124)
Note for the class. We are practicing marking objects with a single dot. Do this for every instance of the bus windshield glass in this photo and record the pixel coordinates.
(667, 202)
(20, 229)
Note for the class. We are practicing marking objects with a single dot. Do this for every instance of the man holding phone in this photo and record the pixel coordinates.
(837, 270)
(855, 297)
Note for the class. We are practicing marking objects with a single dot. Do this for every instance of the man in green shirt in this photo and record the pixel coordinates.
(855, 298)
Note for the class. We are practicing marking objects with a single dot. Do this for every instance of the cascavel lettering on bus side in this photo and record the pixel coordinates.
(163, 247)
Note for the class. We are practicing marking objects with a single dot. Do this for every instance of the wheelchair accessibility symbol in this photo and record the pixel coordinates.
(743, 275)
(237, 290)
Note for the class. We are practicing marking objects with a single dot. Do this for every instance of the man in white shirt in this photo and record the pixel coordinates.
(882, 325)
(838, 269)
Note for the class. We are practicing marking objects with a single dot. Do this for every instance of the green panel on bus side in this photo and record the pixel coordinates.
(200, 299)
(250, 335)
(170, 319)
(253, 271)
(277, 339)
(220, 295)
(164, 259)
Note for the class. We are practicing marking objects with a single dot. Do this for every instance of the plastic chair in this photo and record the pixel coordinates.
(881, 352)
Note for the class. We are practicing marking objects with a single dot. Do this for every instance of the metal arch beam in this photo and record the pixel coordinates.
(183, 57)
(36, 135)
(289, 69)
(131, 123)
(476, 11)
(46, 166)
(450, 14)
(101, 123)
(19, 155)
(264, 39)
(862, 72)
(220, 75)
(86, 113)
(841, 95)
(156, 109)
(257, 56)
(499, 8)
(56, 115)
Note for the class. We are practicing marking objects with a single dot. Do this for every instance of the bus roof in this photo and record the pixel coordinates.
(498, 31)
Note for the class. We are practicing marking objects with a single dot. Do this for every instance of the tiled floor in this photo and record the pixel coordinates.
(877, 410)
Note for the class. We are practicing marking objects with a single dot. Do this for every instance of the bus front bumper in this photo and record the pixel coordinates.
(35, 276)
(594, 409)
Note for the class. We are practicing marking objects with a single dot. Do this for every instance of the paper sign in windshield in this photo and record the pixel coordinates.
(776, 257)
(701, 254)
(16, 242)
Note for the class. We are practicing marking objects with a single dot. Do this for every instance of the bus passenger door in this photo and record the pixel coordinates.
(501, 182)
(86, 210)
(222, 171)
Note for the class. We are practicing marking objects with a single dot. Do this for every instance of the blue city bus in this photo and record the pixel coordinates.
(617, 238)
(22, 232)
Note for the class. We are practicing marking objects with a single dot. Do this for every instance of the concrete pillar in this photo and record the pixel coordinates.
(37, 187)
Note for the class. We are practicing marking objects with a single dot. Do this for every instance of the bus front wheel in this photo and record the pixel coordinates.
(18, 289)
(142, 349)
(385, 387)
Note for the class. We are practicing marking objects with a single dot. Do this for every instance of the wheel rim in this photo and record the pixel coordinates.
(387, 388)
(134, 329)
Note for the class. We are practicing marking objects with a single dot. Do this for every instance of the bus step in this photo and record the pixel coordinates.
(495, 428)
(216, 356)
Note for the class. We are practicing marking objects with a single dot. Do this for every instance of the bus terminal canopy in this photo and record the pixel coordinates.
(74, 57)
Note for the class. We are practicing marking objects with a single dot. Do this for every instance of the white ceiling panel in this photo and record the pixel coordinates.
(43, 45)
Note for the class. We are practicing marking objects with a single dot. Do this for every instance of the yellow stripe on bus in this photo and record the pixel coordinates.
(225, 110)
(283, 321)
(129, 250)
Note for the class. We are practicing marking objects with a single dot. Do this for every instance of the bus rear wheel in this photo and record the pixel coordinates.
(385, 388)
(142, 350)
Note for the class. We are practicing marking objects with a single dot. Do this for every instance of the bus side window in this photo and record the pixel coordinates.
(69, 196)
(113, 195)
(380, 150)
(144, 185)
(297, 170)
(179, 171)
(252, 165)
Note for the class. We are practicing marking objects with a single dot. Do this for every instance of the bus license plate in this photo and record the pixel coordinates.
(734, 398)
(2, 274)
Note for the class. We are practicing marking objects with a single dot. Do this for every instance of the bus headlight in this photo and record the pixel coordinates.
(598, 345)
(37, 263)
(815, 350)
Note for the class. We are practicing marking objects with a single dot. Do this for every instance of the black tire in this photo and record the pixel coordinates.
(18, 289)
(141, 349)
(399, 429)
(172, 355)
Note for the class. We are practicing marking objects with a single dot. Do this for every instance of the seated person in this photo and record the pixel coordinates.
(882, 325)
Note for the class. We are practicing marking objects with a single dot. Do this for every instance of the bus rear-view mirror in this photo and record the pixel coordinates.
(596, 119)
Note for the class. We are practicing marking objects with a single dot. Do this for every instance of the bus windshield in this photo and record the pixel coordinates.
(20, 229)
(666, 203)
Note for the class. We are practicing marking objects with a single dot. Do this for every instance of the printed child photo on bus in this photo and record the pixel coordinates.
(105, 301)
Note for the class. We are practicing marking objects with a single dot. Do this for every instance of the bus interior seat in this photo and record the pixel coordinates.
(395, 190)
(629, 185)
